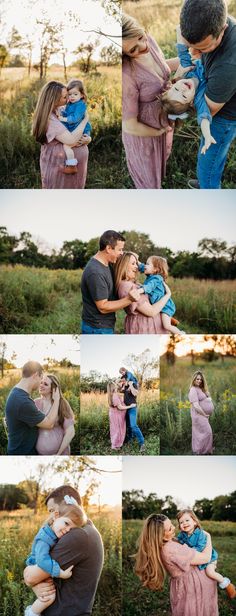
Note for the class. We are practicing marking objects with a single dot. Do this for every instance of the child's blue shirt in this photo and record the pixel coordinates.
(197, 540)
(75, 112)
(40, 556)
(130, 377)
(154, 287)
(202, 109)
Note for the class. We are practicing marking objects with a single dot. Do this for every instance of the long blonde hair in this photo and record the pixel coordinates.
(48, 98)
(64, 409)
(149, 566)
(130, 29)
(111, 387)
(191, 513)
(204, 386)
(121, 266)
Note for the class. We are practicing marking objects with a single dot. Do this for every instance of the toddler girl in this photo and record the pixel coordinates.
(156, 270)
(72, 115)
(129, 376)
(73, 516)
(189, 92)
(193, 535)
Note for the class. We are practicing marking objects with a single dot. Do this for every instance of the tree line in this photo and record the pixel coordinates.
(214, 258)
(137, 506)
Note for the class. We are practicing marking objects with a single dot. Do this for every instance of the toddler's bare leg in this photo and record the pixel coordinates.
(166, 322)
(39, 606)
(212, 573)
(68, 152)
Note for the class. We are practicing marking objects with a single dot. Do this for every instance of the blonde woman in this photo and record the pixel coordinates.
(51, 134)
(201, 409)
(55, 441)
(191, 591)
(117, 413)
(147, 135)
(141, 316)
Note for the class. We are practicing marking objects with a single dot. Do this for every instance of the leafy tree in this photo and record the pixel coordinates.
(110, 55)
(203, 508)
(4, 55)
(11, 497)
(144, 366)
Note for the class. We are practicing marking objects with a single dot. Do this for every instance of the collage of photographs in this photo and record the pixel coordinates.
(118, 453)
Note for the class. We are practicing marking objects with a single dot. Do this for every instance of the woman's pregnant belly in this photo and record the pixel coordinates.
(207, 406)
(49, 441)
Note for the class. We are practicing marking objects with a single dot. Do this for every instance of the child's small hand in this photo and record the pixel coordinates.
(65, 575)
(61, 118)
(208, 141)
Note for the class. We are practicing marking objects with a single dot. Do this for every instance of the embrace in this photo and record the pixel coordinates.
(44, 426)
(204, 82)
(109, 284)
(66, 558)
(123, 410)
(190, 561)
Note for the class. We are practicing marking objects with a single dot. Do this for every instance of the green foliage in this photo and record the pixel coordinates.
(175, 407)
(138, 601)
(94, 424)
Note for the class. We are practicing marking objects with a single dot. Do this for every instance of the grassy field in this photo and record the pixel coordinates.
(69, 380)
(94, 424)
(160, 18)
(175, 407)
(138, 601)
(38, 301)
(16, 534)
(19, 153)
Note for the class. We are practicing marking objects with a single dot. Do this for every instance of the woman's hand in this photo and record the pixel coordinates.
(84, 140)
(56, 395)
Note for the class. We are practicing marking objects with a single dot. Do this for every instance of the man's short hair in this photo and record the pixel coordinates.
(59, 493)
(30, 368)
(110, 238)
(202, 18)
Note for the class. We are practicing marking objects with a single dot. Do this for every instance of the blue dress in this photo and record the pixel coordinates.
(75, 112)
(197, 540)
(201, 106)
(40, 556)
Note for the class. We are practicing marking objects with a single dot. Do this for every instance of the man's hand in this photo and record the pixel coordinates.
(45, 590)
(134, 295)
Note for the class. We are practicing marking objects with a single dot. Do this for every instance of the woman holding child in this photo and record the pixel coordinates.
(50, 132)
(147, 134)
(141, 317)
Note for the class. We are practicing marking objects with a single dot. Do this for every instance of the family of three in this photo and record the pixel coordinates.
(44, 426)
(66, 558)
(189, 560)
(109, 284)
(122, 400)
(204, 81)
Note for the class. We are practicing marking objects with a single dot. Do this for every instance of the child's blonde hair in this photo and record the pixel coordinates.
(77, 83)
(75, 513)
(191, 513)
(160, 265)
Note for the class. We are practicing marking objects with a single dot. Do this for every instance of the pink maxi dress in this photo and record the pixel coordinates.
(117, 422)
(135, 321)
(49, 441)
(192, 593)
(202, 437)
(52, 157)
(146, 156)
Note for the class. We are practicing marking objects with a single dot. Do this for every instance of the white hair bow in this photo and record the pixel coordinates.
(70, 500)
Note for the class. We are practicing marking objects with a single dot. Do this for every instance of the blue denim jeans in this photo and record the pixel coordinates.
(133, 431)
(210, 166)
(88, 329)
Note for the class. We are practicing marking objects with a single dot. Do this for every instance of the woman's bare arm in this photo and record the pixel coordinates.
(138, 129)
(201, 558)
(72, 138)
